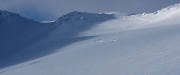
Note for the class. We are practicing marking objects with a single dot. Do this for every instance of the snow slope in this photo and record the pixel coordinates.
(25, 39)
(82, 43)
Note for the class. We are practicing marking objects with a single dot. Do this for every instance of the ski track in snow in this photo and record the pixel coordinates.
(34, 62)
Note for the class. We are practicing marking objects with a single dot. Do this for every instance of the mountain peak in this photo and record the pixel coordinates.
(7, 13)
(75, 13)
(72, 16)
(169, 8)
(76, 16)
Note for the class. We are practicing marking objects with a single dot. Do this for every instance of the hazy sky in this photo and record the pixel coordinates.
(53, 9)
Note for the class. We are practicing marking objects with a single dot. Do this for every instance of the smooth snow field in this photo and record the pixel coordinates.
(81, 43)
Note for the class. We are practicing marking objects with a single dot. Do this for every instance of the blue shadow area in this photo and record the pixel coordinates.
(23, 40)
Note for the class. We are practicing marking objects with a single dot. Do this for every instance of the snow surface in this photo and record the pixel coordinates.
(82, 43)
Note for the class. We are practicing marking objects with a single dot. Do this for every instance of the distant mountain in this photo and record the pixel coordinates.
(83, 16)
(6, 14)
(18, 32)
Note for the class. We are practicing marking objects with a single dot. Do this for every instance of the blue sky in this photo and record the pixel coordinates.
(52, 9)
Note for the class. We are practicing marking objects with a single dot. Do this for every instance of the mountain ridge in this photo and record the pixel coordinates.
(79, 15)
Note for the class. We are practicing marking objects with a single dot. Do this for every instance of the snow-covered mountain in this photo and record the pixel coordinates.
(81, 43)
(5, 14)
(18, 33)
